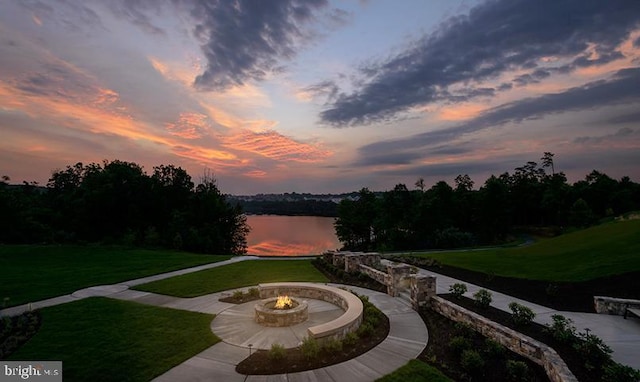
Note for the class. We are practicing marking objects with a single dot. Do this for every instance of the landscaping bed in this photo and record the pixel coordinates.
(308, 356)
(566, 296)
(446, 351)
(587, 364)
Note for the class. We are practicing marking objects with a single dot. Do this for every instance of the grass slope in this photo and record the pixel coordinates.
(415, 371)
(31, 272)
(100, 339)
(608, 249)
(237, 275)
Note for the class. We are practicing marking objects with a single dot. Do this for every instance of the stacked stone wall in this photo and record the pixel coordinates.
(612, 305)
(556, 369)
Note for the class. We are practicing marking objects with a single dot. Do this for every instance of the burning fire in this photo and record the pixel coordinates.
(283, 302)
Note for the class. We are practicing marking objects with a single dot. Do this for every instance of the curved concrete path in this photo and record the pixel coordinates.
(406, 340)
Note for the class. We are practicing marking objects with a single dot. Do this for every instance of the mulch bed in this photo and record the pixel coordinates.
(294, 361)
(536, 331)
(567, 296)
(439, 354)
(259, 363)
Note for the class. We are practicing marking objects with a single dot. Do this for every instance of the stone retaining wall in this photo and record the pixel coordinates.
(379, 276)
(612, 305)
(336, 329)
(556, 369)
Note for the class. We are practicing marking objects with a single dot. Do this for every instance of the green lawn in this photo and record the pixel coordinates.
(607, 249)
(31, 273)
(237, 275)
(100, 339)
(415, 371)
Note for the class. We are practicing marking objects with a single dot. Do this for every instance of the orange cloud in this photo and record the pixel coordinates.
(256, 174)
(273, 145)
(630, 52)
(189, 126)
(97, 111)
(460, 112)
(36, 20)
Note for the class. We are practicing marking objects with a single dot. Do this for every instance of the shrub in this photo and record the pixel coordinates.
(472, 362)
(517, 370)
(254, 292)
(522, 315)
(562, 329)
(238, 295)
(494, 349)
(459, 344)
(333, 345)
(277, 352)
(596, 354)
(350, 339)
(458, 289)
(483, 298)
(365, 330)
(464, 329)
(620, 373)
(310, 348)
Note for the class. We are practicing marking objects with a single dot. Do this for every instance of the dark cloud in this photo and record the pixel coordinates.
(440, 170)
(495, 37)
(56, 80)
(327, 89)
(626, 118)
(398, 158)
(624, 132)
(623, 87)
(247, 39)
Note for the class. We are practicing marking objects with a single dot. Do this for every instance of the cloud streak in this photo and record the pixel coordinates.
(495, 38)
(621, 88)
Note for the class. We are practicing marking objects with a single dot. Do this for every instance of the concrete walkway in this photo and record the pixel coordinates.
(623, 336)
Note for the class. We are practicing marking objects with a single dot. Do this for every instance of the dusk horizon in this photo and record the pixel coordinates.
(321, 96)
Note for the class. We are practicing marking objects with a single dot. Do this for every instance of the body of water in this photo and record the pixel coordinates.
(273, 235)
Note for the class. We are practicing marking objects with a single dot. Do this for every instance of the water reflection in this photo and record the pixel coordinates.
(290, 235)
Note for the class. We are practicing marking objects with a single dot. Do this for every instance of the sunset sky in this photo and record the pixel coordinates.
(320, 96)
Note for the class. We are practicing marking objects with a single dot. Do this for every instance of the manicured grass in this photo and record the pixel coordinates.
(608, 249)
(415, 371)
(237, 275)
(31, 272)
(101, 339)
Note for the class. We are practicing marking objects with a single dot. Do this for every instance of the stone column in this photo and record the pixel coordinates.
(396, 273)
(422, 289)
(352, 263)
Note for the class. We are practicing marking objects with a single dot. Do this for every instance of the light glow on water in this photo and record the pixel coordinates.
(273, 235)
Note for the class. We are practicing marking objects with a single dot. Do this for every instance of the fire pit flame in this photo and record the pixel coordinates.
(283, 302)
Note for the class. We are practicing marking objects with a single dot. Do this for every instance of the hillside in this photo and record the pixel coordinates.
(608, 249)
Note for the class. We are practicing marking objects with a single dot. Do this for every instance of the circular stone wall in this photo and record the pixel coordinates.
(265, 315)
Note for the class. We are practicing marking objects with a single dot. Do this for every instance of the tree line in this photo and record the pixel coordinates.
(290, 207)
(117, 202)
(446, 217)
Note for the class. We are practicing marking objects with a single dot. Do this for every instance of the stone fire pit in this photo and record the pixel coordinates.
(268, 314)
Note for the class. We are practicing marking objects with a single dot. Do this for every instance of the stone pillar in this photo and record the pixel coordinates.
(352, 263)
(396, 273)
(338, 259)
(422, 289)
